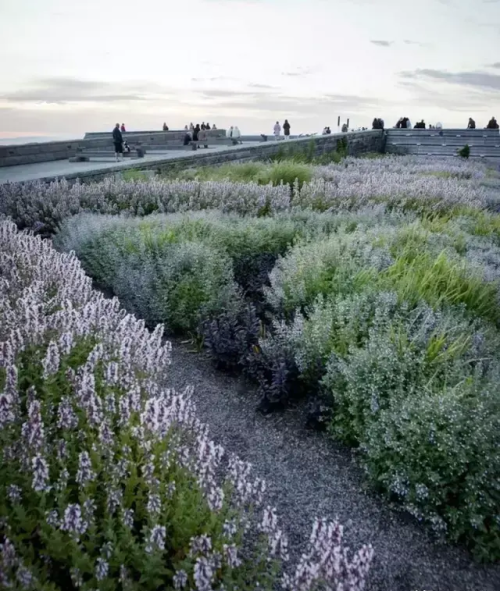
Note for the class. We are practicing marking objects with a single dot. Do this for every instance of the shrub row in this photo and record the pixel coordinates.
(350, 186)
(107, 478)
(386, 315)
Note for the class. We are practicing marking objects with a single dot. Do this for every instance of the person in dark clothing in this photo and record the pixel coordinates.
(471, 124)
(118, 141)
(187, 138)
(286, 129)
(165, 127)
(207, 126)
(196, 131)
(203, 126)
(492, 124)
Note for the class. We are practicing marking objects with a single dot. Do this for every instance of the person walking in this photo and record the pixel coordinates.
(118, 142)
(277, 131)
(286, 129)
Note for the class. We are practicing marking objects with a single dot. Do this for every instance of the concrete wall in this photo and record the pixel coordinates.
(14, 155)
(357, 143)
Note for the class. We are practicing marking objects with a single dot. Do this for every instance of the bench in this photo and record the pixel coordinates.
(211, 142)
(86, 155)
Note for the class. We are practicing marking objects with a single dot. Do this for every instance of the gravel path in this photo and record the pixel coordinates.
(308, 475)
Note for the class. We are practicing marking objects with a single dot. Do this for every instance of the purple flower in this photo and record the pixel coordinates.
(156, 540)
(72, 521)
(101, 569)
(180, 579)
(154, 504)
(203, 574)
(200, 545)
(128, 518)
(40, 473)
(14, 493)
(32, 429)
(67, 418)
(231, 555)
(85, 473)
(53, 518)
(51, 361)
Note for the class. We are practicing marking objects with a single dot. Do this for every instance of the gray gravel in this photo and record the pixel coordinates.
(308, 475)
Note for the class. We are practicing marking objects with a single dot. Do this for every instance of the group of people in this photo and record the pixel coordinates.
(326, 131)
(203, 127)
(286, 130)
(378, 123)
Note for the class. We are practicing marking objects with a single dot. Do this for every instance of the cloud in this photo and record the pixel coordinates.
(381, 42)
(303, 71)
(419, 43)
(475, 79)
(60, 90)
(264, 86)
(212, 79)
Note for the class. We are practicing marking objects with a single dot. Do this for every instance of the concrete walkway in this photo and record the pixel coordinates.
(64, 168)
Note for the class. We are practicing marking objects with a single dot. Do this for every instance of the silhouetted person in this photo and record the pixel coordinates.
(196, 131)
(203, 127)
(286, 129)
(207, 126)
(471, 124)
(492, 124)
(118, 141)
(187, 138)
(165, 127)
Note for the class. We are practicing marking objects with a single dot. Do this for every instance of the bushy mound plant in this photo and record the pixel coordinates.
(107, 478)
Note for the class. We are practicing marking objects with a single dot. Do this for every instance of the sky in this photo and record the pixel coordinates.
(71, 66)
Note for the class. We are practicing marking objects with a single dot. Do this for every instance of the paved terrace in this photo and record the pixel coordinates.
(47, 171)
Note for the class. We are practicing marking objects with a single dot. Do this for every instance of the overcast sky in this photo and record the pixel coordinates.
(70, 66)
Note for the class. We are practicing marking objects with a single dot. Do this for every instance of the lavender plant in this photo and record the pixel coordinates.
(107, 478)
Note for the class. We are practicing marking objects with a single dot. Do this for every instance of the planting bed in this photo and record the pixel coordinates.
(368, 289)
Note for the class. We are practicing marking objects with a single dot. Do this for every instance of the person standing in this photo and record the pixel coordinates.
(122, 129)
(165, 127)
(118, 141)
(471, 124)
(286, 129)
(277, 131)
(236, 135)
(196, 131)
